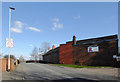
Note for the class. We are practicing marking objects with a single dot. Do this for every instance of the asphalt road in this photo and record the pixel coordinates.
(37, 71)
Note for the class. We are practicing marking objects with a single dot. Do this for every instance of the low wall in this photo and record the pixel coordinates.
(4, 62)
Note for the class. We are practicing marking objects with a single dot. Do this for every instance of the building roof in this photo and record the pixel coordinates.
(99, 39)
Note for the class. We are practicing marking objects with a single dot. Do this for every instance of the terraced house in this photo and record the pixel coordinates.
(95, 51)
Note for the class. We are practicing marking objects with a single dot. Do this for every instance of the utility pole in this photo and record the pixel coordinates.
(9, 35)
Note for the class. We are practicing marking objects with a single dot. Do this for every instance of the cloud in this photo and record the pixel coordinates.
(55, 19)
(16, 30)
(77, 17)
(33, 29)
(18, 25)
(30, 45)
(56, 24)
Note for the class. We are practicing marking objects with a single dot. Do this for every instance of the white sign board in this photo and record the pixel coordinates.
(114, 56)
(9, 42)
(93, 49)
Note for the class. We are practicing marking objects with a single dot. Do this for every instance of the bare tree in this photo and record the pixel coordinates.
(21, 58)
(45, 46)
(34, 53)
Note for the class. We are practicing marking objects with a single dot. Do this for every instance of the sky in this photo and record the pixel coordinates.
(33, 23)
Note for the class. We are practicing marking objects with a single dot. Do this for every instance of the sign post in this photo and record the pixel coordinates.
(9, 43)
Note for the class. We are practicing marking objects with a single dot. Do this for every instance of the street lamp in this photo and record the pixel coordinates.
(10, 8)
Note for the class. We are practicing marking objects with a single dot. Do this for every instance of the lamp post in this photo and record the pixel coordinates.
(10, 8)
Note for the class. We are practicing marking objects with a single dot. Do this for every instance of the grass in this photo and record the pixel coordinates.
(78, 66)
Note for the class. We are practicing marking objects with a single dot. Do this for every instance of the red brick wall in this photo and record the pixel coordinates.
(5, 64)
(78, 54)
(11, 64)
(66, 53)
(103, 57)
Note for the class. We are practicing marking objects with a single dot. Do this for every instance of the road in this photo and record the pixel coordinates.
(37, 71)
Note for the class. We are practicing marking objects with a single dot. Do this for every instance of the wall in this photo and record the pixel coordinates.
(12, 66)
(5, 64)
(66, 53)
(102, 58)
(78, 54)
(52, 56)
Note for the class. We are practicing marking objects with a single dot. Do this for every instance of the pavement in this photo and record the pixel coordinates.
(38, 71)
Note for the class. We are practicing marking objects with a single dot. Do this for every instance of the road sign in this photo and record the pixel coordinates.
(9, 42)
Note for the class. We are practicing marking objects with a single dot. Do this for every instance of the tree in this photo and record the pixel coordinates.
(21, 58)
(45, 46)
(34, 53)
(11, 56)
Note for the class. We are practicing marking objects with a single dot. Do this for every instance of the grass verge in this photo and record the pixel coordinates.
(78, 66)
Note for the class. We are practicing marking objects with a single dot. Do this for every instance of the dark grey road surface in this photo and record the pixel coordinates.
(37, 71)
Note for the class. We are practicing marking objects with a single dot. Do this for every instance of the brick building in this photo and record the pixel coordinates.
(52, 56)
(95, 51)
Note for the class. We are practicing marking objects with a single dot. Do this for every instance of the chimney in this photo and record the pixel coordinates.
(49, 48)
(53, 47)
(74, 40)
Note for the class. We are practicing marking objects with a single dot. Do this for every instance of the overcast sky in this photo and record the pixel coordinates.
(33, 23)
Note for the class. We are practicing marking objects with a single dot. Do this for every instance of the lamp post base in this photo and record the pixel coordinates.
(8, 70)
